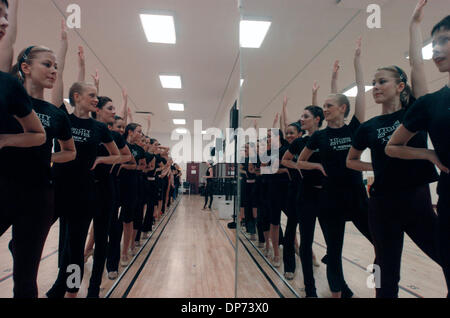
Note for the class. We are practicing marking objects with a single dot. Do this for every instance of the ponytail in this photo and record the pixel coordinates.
(26, 56)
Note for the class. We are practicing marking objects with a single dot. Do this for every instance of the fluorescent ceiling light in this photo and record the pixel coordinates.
(353, 91)
(253, 33)
(427, 52)
(176, 107)
(159, 28)
(242, 81)
(179, 121)
(181, 131)
(170, 81)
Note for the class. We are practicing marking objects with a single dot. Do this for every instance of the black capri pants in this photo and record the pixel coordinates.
(341, 203)
(393, 214)
(278, 197)
(128, 195)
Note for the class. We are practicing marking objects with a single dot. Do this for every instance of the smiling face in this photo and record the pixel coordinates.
(441, 50)
(119, 126)
(291, 134)
(106, 113)
(3, 20)
(308, 121)
(42, 70)
(386, 88)
(87, 99)
(136, 135)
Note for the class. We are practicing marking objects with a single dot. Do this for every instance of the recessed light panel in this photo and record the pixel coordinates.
(170, 81)
(175, 107)
(159, 28)
(253, 33)
(179, 121)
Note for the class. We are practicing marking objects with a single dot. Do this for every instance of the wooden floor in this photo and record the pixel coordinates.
(191, 254)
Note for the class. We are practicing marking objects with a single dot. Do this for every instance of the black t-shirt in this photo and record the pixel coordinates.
(392, 173)
(138, 154)
(148, 158)
(333, 145)
(431, 113)
(87, 134)
(246, 168)
(272, 175)
(57, 126)
(14, 101)
(102, 171)
(311, 178)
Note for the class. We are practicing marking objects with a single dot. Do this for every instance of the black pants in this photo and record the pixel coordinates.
(443, 233)
(128, 195)
(309, 206)
(263, 219)
(74, 203)
(29, 210)
(390, 217)
(278, 196)
(291, 226)
(248, 202)
(102, 224)
(341, 204)
(115, 236)
(208, 194)
(165, 183)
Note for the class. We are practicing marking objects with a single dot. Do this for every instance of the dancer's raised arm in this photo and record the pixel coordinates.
(334, 77)
(58, 88)
(360, 102)
(418, 79)
(315, 89)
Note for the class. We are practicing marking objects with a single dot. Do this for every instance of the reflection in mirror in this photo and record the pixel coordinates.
(320, 76)
(168, 74)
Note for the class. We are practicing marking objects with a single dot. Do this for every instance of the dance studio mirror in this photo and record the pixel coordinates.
(290, 49)
(178, 64)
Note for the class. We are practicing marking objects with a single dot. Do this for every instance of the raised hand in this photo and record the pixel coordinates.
(418, 11)
(96, 78)
(336, 68)
(358, 47)
(315, 88)
(124, 94)
(63, 30)
(81, 58)
(285, 101)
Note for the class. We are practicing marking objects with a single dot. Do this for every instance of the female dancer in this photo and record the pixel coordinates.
(115, 235)
(400, 202)
(75, 183)
(431, 114)
(129, 190)
(277, 187)
(21, 203)
(208, 189)
(343, 196)
(293, 132)
(105, 197)
(248, 191)
(311, 185)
